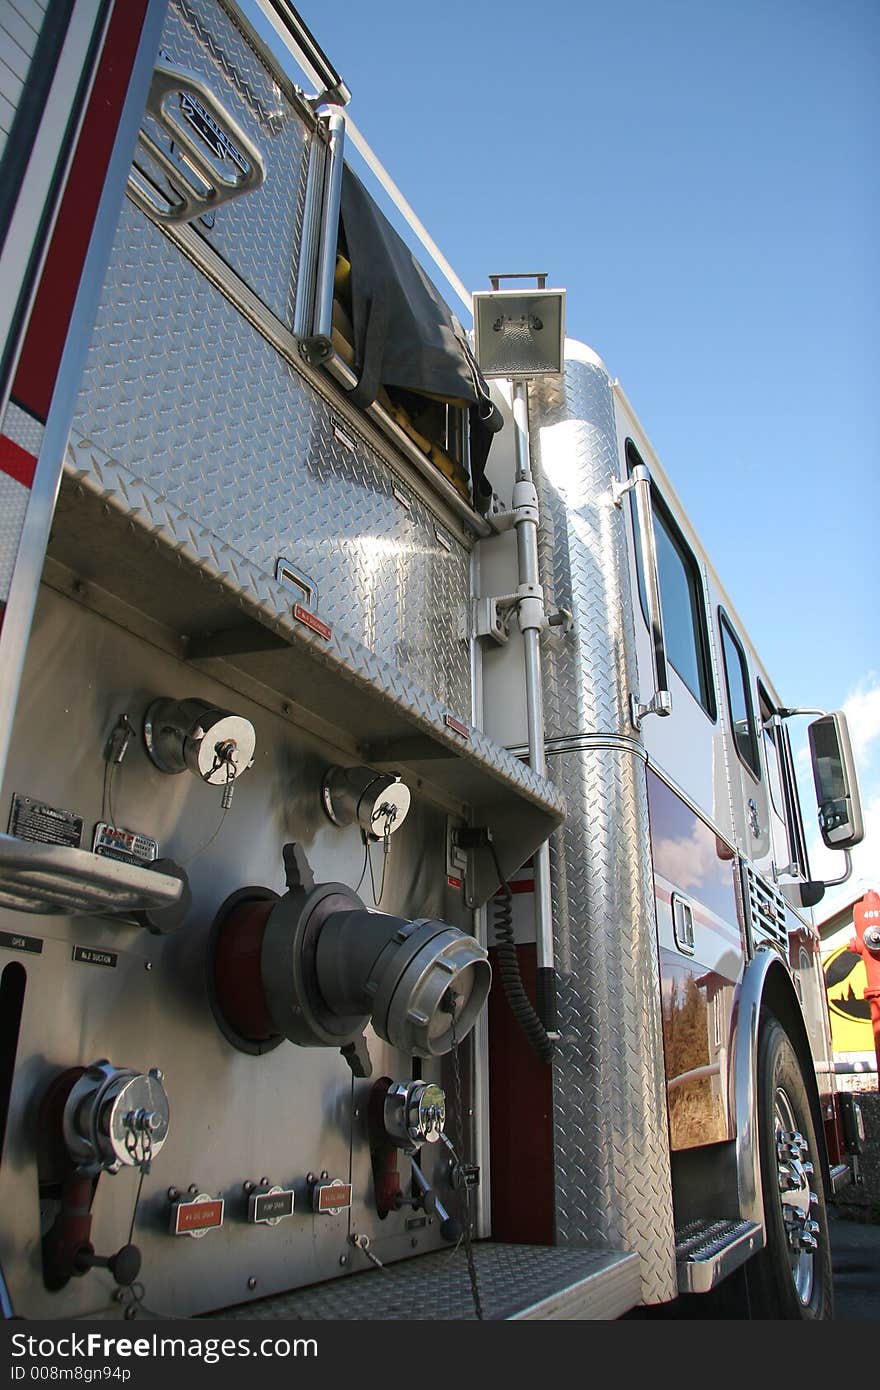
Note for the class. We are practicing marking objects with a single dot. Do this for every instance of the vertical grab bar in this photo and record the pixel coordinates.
(330, 226)
(317, 341)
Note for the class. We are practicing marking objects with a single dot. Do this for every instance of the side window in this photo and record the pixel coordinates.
(681, 596)
(739, 698)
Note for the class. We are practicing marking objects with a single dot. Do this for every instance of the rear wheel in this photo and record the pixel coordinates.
(791, 1277)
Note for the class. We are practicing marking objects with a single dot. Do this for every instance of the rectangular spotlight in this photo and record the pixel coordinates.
(519, 333)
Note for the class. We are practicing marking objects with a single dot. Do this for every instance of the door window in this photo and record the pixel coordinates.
(739, 697)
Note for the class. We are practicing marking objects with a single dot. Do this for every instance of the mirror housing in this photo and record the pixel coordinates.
(802, 895)
(837, 787)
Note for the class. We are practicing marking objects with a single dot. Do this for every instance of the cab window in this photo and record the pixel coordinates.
(739, 697)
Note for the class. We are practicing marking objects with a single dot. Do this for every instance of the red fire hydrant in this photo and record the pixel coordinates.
(866, 921)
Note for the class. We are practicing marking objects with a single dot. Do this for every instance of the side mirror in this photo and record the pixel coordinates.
(837, 787)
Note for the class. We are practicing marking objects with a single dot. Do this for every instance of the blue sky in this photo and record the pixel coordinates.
(702, 179)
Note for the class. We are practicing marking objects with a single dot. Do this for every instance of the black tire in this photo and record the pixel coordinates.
(786, 1280)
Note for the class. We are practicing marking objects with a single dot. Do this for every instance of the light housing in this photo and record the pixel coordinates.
(520, 333)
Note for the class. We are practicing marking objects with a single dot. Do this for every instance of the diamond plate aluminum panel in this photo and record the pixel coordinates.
(613, 1179)
(185, 394)
(23, 429)
(582, 550)
(153, 526)
(13, 505)
(516, 1282)
(259, 234)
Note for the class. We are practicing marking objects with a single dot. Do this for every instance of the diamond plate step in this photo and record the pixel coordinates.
(516, 1282)
(706, 1251)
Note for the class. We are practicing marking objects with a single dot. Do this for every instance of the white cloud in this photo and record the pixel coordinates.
(862, 710)
(688, 862)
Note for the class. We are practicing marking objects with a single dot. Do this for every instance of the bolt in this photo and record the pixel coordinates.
(156, 1074)
(247, 1187)
(264, 1182)
(148, 965)
(173, 1194)
(285, 707)
(193, 1189)
(343, 1260)
(252, 1283)
(310, 1177)
(325, 1176)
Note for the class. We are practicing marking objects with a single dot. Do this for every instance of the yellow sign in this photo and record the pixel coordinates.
(845, 983)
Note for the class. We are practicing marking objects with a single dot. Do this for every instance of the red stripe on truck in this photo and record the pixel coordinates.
(16, 461)
(59, 282)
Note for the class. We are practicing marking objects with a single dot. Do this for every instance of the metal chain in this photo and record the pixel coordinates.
(390, 814)
(460, 1183)
(139, 1140)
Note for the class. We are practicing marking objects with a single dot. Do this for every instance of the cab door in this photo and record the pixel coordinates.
(681, 744)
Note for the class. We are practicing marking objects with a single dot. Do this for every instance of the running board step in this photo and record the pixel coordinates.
(707, 1251)
(515, 1282)
(841, 1174)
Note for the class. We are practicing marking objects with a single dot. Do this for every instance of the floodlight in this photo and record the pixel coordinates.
(519, 333)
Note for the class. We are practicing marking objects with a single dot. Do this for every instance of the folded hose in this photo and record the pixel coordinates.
(508, 968)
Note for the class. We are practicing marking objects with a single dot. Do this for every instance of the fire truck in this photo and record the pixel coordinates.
(404, 897)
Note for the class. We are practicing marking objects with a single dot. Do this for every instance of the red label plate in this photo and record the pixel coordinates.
(309, 620)
(197, 1216)
(334, 1196)
(457, 726)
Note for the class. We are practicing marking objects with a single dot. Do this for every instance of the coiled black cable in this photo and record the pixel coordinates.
(508, 968)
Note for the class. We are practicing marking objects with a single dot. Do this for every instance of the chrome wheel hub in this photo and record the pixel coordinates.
(799, 1201)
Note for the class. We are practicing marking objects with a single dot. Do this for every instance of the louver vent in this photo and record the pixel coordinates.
(766, 909)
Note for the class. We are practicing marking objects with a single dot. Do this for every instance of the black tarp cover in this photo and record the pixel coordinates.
(405, 334)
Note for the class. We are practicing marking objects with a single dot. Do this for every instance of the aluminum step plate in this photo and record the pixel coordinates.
(515, 1282)
(705, 1251)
